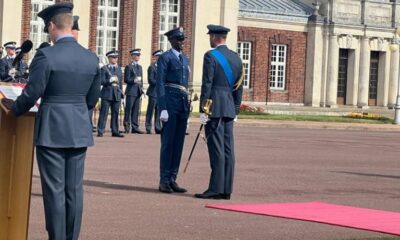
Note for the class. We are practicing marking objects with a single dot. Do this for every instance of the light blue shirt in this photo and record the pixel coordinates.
(176, 53)
(64, 36)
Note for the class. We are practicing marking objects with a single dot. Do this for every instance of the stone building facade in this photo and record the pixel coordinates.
(350, 59)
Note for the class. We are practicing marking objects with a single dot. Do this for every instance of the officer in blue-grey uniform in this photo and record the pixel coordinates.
(67, 88)
(152, 94)
(173, 101)
(6, 62)
(222, 83)
(111, 94)
(133, 77)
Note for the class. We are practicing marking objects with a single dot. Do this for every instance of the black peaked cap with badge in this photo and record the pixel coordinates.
(48, 13)
(217, 29)
(12, 45)
(176, 33)
(135, 51)
(112, 53)
(158, 53)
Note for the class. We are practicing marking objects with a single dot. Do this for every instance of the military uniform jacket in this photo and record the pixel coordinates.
(225, 102)
(6, 65)
(170, 69)
(67, 78)
(152, 78)
(132, 73)
(110, 92)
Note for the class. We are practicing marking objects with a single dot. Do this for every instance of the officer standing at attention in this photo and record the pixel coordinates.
(111, 94)
(6, 62)
(173, 101)
(222, 83)
(67, 88)
(134, 90)
(152, 93)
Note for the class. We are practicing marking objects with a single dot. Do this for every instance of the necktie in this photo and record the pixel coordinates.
(181, 58)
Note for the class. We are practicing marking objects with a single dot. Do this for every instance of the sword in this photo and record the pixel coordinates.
(206, 109)
(194, 146)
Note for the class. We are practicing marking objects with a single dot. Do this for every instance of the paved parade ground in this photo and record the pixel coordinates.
(356, 166)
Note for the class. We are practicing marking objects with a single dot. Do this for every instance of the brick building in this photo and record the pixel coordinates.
(272, 40)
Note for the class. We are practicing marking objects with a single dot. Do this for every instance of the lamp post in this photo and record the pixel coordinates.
(395, 47)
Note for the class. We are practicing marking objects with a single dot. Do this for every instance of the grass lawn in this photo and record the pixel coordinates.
(314, 118)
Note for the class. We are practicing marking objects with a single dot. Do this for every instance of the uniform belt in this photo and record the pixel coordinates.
(177, 86)
(64, 99)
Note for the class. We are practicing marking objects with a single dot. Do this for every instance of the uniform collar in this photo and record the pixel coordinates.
(175, 52)
(67, 35)
(113, 65)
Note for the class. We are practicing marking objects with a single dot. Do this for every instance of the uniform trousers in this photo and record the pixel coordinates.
(132, 110)
(219, 134)
(61, 175)
(172, 140)
(152, 108)
(105, 105)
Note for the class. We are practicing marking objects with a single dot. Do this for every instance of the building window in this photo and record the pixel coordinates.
(244, 51)
(169, 19)
(107, 26)
(278, 67)
(36, 35)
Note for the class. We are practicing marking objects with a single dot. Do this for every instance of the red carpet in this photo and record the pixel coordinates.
(360, 218)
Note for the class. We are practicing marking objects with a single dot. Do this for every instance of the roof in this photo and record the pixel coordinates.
(293, 10)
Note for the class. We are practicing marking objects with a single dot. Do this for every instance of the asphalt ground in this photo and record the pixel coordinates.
(348, 164)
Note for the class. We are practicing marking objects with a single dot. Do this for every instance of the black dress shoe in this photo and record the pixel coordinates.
(174, 186)
(165, 188)
(158, 132)
(226, 196)
(117, 135)
(148, 131)
(100, 135)
(138, 131)
(208, 195)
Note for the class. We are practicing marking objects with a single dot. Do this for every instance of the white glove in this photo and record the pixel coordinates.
(12, 72)
(203, 118)
(164, 116)
(235, 119)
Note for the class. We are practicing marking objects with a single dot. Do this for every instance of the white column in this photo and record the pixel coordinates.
(314, 65)
(394, 78)
(363, 87)
(324, 75)
(333, 72)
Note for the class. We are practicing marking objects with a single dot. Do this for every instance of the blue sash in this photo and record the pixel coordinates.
(225, 66)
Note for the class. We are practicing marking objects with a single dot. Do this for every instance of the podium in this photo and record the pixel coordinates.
(16, 162)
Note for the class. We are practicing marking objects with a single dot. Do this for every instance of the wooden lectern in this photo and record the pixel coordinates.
(16, 161)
